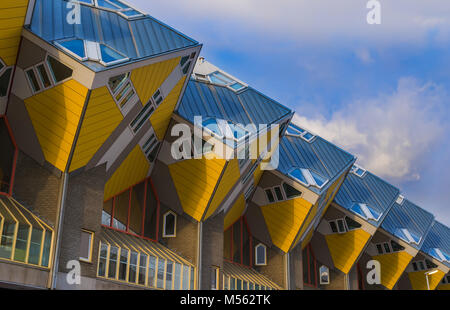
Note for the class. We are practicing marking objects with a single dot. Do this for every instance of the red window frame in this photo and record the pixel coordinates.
(16, 154)
(243, 223)
(147, 181)
(310, 255)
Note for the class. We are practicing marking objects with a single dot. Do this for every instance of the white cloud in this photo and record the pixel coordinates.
(364, 56)
(392, 134)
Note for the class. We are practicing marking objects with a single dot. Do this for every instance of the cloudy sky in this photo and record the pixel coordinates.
(379, 91)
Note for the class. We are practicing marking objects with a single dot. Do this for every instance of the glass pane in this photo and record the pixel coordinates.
(123, 264)
(117, 81)
(142, 268)
(123, 91)
(192, 278)
(75, 46)
(59, 71)
(308, 136)
(109, 55)
(44, 76)
(320, 181)
(232, 284)
(169, 273)
(245, 286)
(379, 249)
(177, 277)
(127, 98)
(169, 224)
(351, 224)
(112, 262)
(278, 193)
(4, 82)
(47, 245)
(261, 255)
(20, 252)
(160, 276)
(35, 246)
(251, 286)
(238, 284)
(396, 247)
(237, 86)
(269, 195)
(7, 240)
(213, 278)
(151, 271)
(341, 226)
(102, 260)
(290, 191)
(33, 80)
(185, 277)
(333, 227)
(386, 248)
(107, 5)
(415, 266)
(133, 267)
(297, 174)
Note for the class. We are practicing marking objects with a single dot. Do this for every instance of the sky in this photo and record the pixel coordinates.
(380, 91)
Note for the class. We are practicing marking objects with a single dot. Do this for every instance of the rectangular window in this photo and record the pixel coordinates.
(380, 249)
(387, 248)
(87, 238)
(112, 266)
(239, 285)
(341, 226)
(226, 282)
(269, 195)
(214, 278)
(414, 264)
(133, 267)
(185, 277)
(169, 273)
(142, 117)
(177, 277)
(44, 76)
(278, 193)
(333, 227)
(35, 246)
(160, 276)
(123, 266)
(142, 268)
(33, 80)
(192, 278)
(151, 271)
(103, 256)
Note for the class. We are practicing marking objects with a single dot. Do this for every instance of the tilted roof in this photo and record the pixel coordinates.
(370, 190)
(136, 37)
(438, 238)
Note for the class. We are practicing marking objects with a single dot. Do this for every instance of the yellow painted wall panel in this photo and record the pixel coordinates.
(392, 267)
(235, 212)
(284, 220)
(346, 248)
(101, 118)
(161, 117)
(55, 114)
(419, 282)
(229, 179)
(12, 18)
(195, 180)
(148, 79)
(133, 170)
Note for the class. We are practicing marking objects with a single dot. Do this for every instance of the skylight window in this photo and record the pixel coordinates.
(358, 171)
(221, 79)
(440, 255)
(118, 6)
(227, 129)
(308, 177)
(400, 199)
(296, 131)
(407, 235)
(366, 212)
(89, 50)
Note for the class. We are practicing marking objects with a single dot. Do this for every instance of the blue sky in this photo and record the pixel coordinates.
(379, 91)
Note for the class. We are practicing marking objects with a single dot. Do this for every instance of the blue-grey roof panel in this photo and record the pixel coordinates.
(207, 100)
(370, 190)
(319, 155)
(135, 38)
(408, 216)
(437, 238)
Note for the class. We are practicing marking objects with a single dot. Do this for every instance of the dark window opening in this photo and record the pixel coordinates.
(5, 79)
(351, 224)
(238, 243)
(333, 227)
(169, 224)
(290, 191)
(59, 71)
(278, 193)
(7, 157)
(310, 272)
(396, 247)
(269, 195)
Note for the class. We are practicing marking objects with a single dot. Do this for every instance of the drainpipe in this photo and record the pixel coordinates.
(199, 254)
(288, 271)
(58, 230)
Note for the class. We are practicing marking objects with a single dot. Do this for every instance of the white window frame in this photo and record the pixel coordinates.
(400, 199)
(91, 246)
(337, 226)
(126, 107)
(309, 178)
(327, 270)
(355, 168)
(216, 272)
(256, 255)
(383, 248)
(164, 225)
(227, 84)
(148, 138)
(150, 104)
(120, 10)
(284, 191)
(38, 77)
(301, 134)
